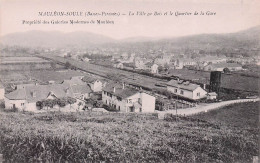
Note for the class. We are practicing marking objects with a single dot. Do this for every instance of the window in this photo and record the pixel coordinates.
(119, 108)
(175, 90)
(182, 92)
(198, 94)
(22, 104)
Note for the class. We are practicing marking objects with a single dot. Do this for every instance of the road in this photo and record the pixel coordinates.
(203, 108)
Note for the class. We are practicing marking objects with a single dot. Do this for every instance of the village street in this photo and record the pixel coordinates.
(203, 107)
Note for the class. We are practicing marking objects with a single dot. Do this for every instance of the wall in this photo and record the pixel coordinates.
(186, 93)
(108, 100)
(148, 103)
(18, 104)
(30, 106)
(202, 92)
(97, 86)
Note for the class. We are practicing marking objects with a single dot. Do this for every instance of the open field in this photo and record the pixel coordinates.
(6, 60)
(57, 76)
(234, 81)
(115, 137)
(242, 115)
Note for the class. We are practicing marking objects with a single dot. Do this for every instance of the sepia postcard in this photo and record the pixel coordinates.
(129, 81)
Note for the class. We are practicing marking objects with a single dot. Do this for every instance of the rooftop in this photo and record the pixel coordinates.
(120, 91)
(36, 93)
(183, 84)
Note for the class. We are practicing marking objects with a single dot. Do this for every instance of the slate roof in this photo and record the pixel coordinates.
(89, 79)
(183, 85)
(82, 89)
(74, 81)
(120, 92)
(19, 94)
(41, 92)
(212, 94)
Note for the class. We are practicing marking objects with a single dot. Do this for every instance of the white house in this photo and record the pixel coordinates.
(81, 90)
(25, 98)
(86, 59)
(212, 96)
(95, 84)
(154, 69)
(126, 99)
(186, 89)
(2, 92)
(118, 65)
(222, 66)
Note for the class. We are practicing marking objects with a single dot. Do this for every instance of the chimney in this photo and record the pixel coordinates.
(204, 86)
(123, 85)
(114, 89)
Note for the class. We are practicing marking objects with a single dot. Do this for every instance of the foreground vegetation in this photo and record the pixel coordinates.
(117, 137)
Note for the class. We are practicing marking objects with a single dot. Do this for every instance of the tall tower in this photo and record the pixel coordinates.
(215, 81)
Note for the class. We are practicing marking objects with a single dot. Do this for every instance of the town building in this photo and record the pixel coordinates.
(186, 89)
(127, 99)
(222, 66)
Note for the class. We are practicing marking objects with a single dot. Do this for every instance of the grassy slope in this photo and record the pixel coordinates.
(80, 137)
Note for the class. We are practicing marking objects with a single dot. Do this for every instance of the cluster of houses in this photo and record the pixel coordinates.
(209, 63)
(120, 97)
(117, 96)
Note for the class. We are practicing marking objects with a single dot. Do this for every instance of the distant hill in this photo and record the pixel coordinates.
(220, 43)
(244, 39)
(54, 39)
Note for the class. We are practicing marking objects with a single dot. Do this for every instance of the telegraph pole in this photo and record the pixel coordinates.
(176, 108)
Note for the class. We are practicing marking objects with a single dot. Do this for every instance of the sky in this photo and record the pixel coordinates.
(231, 16)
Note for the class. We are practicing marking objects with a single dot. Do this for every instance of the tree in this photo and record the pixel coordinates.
(67, 65)
(49, 103)
(166, 66)
(71, 101)
(39, 104)
(160, 68)
(226, 70)
(61, 103)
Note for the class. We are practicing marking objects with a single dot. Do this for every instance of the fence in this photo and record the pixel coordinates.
(199, 109)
